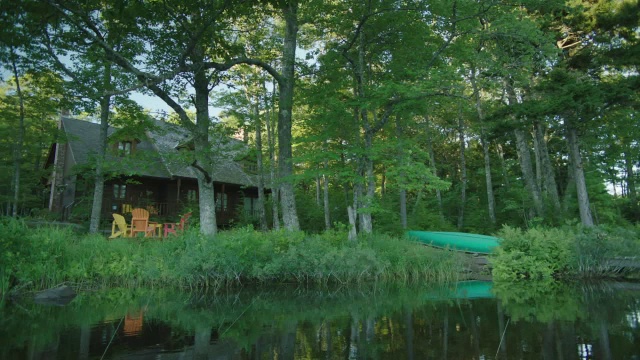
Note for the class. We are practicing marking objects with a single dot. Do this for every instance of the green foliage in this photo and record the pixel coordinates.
(543, 301)
(597, 246)
(536, 254)
(544, 254)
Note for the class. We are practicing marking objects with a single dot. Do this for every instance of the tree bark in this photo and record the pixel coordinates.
(17, 155)
(353, 235)
(206, 195)
(584, 205)
(318, 186)
(432, 161)
(491, 201)
(463, 172)
(401, 180)
(524, 156)
(285, 158)
(325, 183)
(503, 167)
(366, 201)
(262, 216)
(98, 189)
(272, 162)
(548, 174)
(366, 222)
(630, 176)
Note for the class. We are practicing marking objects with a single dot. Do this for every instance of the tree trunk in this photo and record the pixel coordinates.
(17, 155)
(403, 208)
(353, 234)
(463, 172)
(432, 161)
(524, 156)
(548, 173)
(503, 167)
(491, 201)
(204, 163)
(98, 189)
(202, 343)
(318, 186)
(630, 176)
(366, 201)
(287, 194)
(538, 157)
(367, 220)
(272, 163)
(262, 216)
(401, 180)
(325, 183)
(584, 205)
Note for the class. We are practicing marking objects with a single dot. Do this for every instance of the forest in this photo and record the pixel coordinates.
(366, 116)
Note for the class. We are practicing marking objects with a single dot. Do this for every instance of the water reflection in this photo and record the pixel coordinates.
(457, 321)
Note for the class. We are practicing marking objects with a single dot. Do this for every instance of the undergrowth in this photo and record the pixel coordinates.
(543, 254)
(41, 258)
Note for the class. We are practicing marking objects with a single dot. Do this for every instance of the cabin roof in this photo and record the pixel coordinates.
(158, 152)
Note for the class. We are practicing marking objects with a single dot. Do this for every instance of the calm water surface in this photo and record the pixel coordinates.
(468, 320)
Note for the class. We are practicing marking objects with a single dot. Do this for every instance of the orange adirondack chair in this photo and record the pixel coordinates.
(173, 228)
(140, 223)
(119, 227)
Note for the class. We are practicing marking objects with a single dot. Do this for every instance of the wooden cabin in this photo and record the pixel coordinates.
(148, 168)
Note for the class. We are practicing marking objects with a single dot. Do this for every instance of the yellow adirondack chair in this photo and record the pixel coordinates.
(119, 227)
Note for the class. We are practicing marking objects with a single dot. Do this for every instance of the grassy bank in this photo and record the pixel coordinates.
(569, 252)
(32, 259)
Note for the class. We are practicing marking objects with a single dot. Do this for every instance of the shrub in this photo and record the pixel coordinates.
(534, 254)
(541, 254)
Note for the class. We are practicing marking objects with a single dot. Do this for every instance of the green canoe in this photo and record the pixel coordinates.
(472, 289)
(481, 244)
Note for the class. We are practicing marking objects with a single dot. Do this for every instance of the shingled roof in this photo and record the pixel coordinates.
(160, 147)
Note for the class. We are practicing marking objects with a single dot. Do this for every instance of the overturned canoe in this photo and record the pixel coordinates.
(476, 243)
(471, 289)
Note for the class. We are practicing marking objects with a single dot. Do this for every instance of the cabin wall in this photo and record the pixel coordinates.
(166, 199)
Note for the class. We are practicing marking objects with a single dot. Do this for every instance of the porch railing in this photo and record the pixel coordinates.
(161, 209)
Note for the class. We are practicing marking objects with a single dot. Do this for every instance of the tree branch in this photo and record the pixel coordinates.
(248, 61)
(204, 172)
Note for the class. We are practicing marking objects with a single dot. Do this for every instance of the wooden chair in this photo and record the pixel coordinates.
(119, 227)
(140, 223)
(174, 228)
(126, 208)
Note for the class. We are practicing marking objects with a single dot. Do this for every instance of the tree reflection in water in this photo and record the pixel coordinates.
(550, 321)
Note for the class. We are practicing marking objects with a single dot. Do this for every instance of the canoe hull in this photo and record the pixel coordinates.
(476, 243)
(472, 289)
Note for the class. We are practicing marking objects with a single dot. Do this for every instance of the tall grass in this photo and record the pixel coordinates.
(45, 257)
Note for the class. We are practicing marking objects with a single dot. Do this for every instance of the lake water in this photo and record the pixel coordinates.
(467, 320)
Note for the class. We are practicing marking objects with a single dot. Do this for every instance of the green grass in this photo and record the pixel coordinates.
(44, 257)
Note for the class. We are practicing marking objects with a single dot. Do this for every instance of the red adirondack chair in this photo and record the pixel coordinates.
(174, 228)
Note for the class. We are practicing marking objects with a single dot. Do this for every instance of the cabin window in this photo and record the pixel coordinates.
(119, 191)
(124, 148)
(250, 205)
(221, 202)
(192, 195)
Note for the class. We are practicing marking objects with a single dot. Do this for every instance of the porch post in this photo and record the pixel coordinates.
(175, 208)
